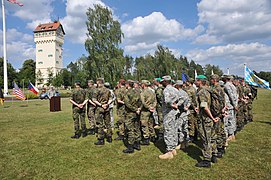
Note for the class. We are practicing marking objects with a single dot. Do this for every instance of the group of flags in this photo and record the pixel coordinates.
(19, 93)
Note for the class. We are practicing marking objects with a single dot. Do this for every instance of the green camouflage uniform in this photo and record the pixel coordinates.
(91, 108)
(148, 99)
(192, 117)
(120, 109)
(103, 95)
(217, 104)
(159, 98)
(241, 105)
(131, 122)
(79, 96)
(206, 124)
(248, 108)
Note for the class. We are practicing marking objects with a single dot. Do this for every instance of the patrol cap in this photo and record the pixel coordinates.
(166, 78)
(122, 81)
(158, 79)
(201, 77)
(179, 82)
(107, 84)
(77, 82)
(146, 82)
(130, 82)
(100, 79)
(191, 80)
(91, 81)
(214, 76)
(221, 83)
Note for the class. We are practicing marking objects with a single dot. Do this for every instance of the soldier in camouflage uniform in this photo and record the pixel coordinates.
(102, 98)
(91, 106)
(170, 111)
(248, 107)
(217, 110)
(148, 99)
(192, 117)
(241, 104)
(78, 101)
(132, 107)
(120, 93)
(206, 123)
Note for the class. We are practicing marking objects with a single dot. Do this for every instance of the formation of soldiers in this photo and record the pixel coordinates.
(173, 112)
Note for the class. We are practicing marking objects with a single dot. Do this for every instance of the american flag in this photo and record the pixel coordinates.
(18, 92)
(15, 2)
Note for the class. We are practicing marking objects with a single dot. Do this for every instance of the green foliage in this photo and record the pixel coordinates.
(209, 68)
(12, 74)
(27, 72)
(264, 75)
(50, 75)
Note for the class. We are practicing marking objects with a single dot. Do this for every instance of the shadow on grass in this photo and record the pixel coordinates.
(194, 152)
(264, 122)
(161, 146)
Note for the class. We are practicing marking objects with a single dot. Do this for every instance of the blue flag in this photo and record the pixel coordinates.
(185, 77)
(254, 80)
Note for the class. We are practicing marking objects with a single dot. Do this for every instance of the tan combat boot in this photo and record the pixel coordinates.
(178, 147)
(174, 152)
(167, 155)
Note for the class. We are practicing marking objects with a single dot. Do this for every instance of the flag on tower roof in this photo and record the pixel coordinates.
(15, 2)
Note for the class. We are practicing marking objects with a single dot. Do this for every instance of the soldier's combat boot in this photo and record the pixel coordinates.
(137, 145)
(76, 136)
(153, 139)
(84, 133)
(109, 139)
(214, 159)
(220, 152)
(145, 142)
(91, 131)
(129, 149)
(119, 138)
(99, 142)
(167, 155)
(203, 163)
(174, 152)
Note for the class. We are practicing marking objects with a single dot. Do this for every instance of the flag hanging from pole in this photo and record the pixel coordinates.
(185, 77)
(254, 80)
(18, 92)
(32, 88)
(15, 2)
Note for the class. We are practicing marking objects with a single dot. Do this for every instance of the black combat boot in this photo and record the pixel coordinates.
(91, 131)
(100, 142)
(76, 136)
(153, 139)
(204, 163)
(160, 137)
(84, 133)
(136, 146)
(129, 149)
(220, 152)
(109, 139)
(119, 138)
(214, 159)
(145, 142)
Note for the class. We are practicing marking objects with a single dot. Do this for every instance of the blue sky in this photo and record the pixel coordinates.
(227, 33)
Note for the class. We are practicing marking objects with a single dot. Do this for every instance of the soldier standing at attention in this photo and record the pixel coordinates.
(78, 101)
(132, 107)
(120, 92)
(113, 96)
(102, 99)
(148, 99)
(241, 103)
(205, 123)
(91, 106)
(170, 110)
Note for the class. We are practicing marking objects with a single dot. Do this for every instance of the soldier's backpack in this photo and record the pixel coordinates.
(217, 103)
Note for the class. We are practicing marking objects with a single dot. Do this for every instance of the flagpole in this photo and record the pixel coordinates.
(5, 50)
(228, 69)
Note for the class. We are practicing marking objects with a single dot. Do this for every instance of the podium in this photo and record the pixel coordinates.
(55, 104)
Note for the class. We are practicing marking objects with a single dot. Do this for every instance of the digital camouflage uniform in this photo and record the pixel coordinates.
(192, 117)
(78, 114)
(91, 108)
(231, 91)
(131, 121)
(102, 95)
(171, 96)
(217, 104)
(148, 99)
(120, 93)
(206, 124)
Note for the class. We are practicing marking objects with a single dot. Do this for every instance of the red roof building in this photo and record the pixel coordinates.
(49, 27)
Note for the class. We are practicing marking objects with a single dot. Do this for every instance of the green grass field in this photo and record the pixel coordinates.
(36, 143)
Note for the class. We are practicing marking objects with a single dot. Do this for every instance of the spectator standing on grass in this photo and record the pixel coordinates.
(51, 92)
(78, 101)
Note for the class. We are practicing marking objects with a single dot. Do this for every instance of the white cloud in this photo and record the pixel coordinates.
(75, 22)
(153, 29)
(256, 55)
(235, 20)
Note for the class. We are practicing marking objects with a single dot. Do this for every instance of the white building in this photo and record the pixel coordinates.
(49, 39)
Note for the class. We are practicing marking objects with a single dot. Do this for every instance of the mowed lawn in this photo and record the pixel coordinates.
(36, 143)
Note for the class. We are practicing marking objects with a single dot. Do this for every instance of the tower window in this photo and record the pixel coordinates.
(50, 55)
(57, 62)
(40, 62)
(40, 50)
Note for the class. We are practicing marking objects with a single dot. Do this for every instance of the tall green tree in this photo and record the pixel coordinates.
(104, 36)
(27, 72)
(12, 74)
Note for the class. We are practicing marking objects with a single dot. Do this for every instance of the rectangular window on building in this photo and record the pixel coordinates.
(57, 50)
(50, 55)
(57, 62)
(40, 50)
(40, 62)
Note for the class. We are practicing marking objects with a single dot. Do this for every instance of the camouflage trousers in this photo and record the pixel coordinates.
(121, 119)
(146, 120)
(230, 122)
(91, 117)
(220, 133)
(132, 128)
(170, 130)
(103, 123)
(249, 111)
(192, 123)
(182, 127)
(208, 137)
(79, 115)
(240, 117)
(160, 120)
